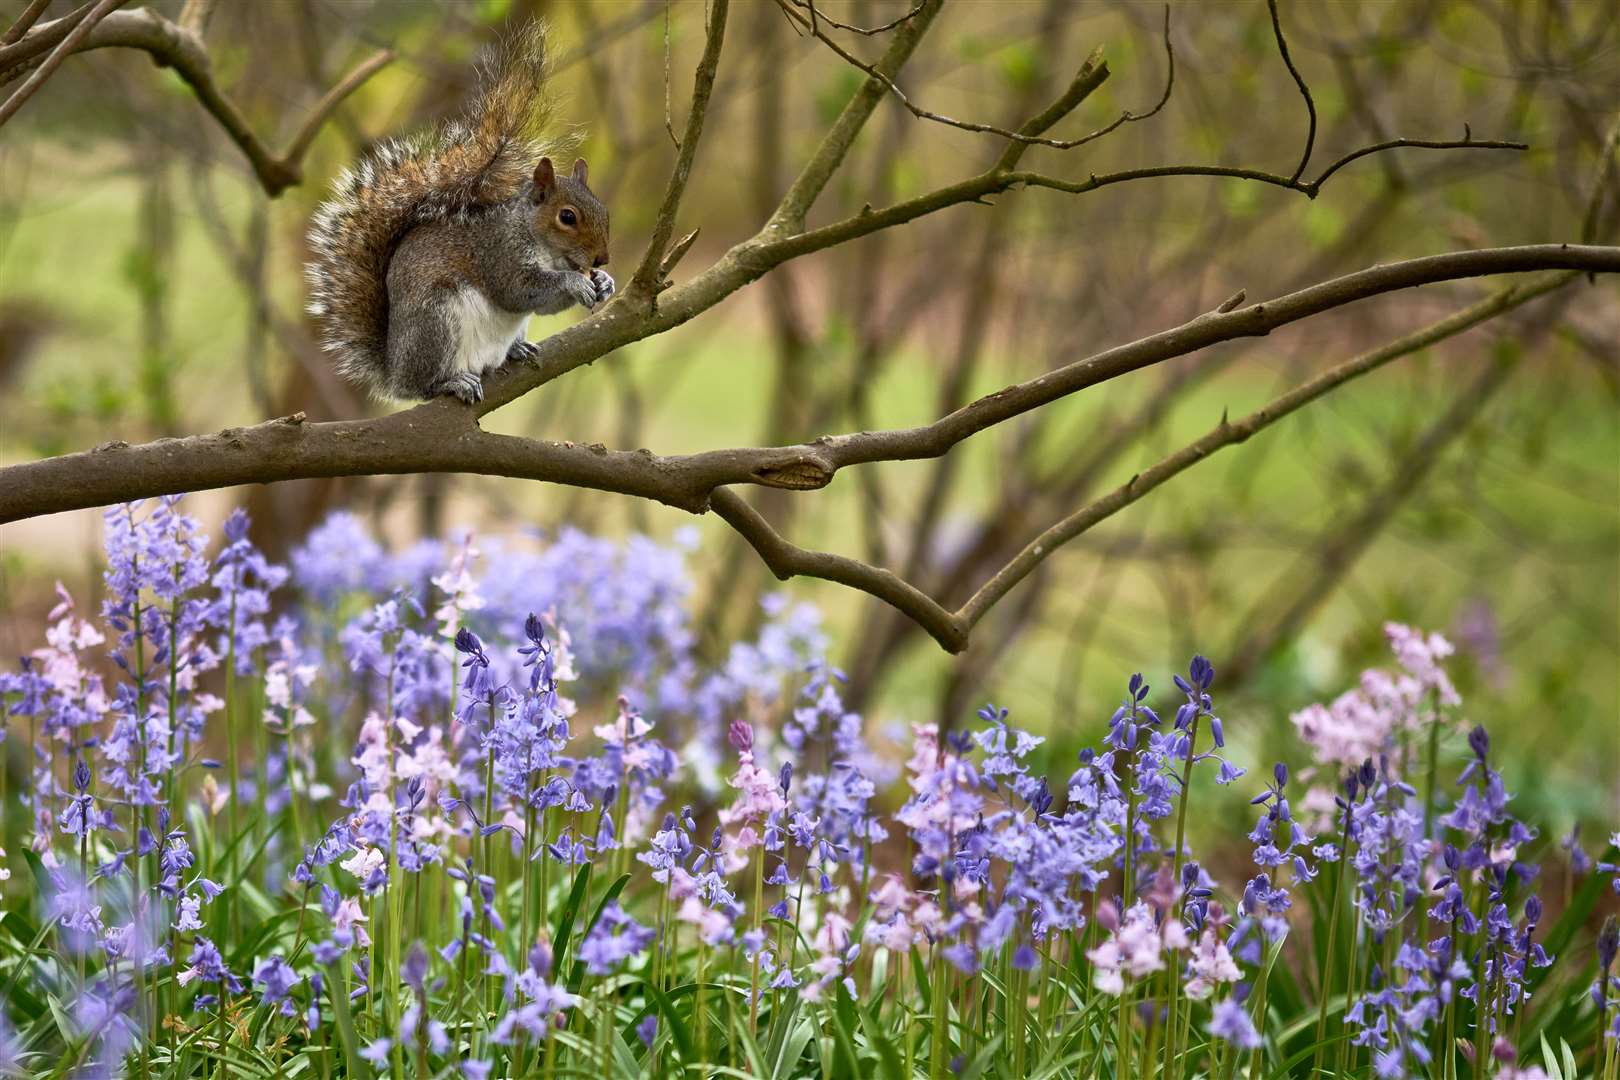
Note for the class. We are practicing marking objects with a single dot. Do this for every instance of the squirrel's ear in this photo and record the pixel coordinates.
(545, 179)
(580, 169)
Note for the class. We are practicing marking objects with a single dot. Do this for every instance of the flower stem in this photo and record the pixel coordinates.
(1433, 767)
(232, 758)
(1324, 990)
(1122, 1032)
(759, 915)
(1175, 879)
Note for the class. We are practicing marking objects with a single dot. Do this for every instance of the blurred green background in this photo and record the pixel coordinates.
(149, 288)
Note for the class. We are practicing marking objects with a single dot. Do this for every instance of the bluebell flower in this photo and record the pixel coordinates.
(276, 979)
(615, 938)
(1230, 1023)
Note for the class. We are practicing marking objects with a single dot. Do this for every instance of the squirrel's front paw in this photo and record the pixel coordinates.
(464, 385)
(602, 281)
(522, 352)
(581, 289)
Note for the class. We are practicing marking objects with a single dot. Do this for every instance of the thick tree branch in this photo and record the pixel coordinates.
(176, 46)
(1254, 320)
(780, 240)
(439, 438)
(951, 629)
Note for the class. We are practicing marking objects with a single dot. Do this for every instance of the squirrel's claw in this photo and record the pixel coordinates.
(523, 352)
(464, 385)
(581, 288)
(602, 282)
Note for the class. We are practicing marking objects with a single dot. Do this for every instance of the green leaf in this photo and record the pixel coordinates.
(337, 995)
(577, 976)
(981, 1061)
(565, 917)
(1548, 1061)
(679, 1032)
(792, 1050)
(889, 1064)
(845, 1060)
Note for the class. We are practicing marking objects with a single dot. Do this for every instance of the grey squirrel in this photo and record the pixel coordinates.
(433, 251)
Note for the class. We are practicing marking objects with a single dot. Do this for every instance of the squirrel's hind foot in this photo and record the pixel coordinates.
(463, 384)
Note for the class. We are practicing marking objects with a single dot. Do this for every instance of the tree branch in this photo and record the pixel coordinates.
(781, 240)
(1304, 90)
(69, 45)
(29, 16)
(1255, 320)
(789, 216)
(438, 440)
(866, 31)
(1092, 66)
(182, 49)
(952, 628)
(643, 285)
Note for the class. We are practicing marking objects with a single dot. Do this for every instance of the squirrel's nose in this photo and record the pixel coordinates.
(601, 260)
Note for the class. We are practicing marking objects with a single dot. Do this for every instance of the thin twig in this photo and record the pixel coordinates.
(171, 45)
(29, 16)
(643, 284)
(669, 119)
(1602, 182)
(952, 628)
(323, 110)
(16, 56)
(62, 51)
(867, 31)
(874, 71)
(1304, 91)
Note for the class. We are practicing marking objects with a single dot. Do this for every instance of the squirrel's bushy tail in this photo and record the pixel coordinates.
(479, 159)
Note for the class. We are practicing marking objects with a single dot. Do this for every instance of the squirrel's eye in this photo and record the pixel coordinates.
(568, 218)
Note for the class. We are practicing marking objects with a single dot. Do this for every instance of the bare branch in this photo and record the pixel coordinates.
(29, 16)
(66, 48)
(17, 56)
(1304, 91)
(433, 438)
(323, 110)
(172, 45)
(1093, 68)
(952, 628)
(883, 28)
(1228, 433)
(789, 216)
(1467, 142)
(643, 283)
(1602, 183)
(1254, 320)
(788, 560)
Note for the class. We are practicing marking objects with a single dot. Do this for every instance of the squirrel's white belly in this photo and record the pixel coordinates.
(484, 332)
